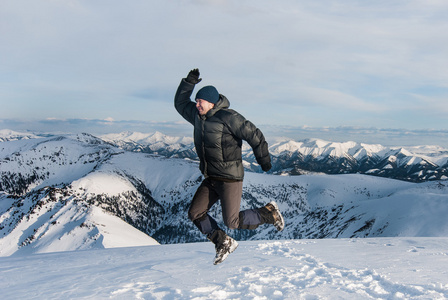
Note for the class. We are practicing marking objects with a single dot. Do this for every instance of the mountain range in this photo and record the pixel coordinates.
(414, 164)
(78, 191)
(289, 157)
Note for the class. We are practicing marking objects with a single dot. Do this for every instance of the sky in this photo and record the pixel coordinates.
(367, 71)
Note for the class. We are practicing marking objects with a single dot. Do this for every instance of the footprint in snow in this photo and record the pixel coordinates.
(306, 276)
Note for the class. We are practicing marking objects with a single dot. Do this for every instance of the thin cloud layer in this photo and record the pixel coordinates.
(392, 137)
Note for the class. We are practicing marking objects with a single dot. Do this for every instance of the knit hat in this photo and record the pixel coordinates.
(208, 93)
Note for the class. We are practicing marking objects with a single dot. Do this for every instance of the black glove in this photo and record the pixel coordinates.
(193, 77)
(266, 167)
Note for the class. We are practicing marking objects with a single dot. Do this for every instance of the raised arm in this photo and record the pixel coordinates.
(182, 100)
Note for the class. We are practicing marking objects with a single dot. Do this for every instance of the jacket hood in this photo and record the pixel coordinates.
(222, 103)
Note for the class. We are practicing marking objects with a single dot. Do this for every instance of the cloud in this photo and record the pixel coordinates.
(309, 96)
(96, 126)
(83, 59)
(433, 104)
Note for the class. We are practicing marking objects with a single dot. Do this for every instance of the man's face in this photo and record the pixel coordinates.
(203, 106)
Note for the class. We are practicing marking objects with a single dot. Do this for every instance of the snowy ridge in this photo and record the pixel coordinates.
(50, 188)
(59, 223)
(142, 138)
(415, 164)
(154, 143)
(50, 191)
(10, 135)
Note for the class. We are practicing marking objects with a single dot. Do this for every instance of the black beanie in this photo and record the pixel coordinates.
(208, 93)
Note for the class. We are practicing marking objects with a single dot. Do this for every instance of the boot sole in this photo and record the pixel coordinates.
(282, 221)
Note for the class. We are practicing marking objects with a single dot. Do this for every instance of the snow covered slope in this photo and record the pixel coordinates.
(50, 197)
(374, 268)
(65, 225)
(54, 191)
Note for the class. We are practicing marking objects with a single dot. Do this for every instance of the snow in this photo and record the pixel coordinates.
(116, 233)
(313, 147)
(146, 138)
(103, 182)
(64, 249)
(315, 206)
(288, 146)
(376, 268)
(10, 135)
(64, 159)
(66, 228)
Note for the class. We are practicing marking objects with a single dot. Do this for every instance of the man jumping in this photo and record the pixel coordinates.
(218, 135)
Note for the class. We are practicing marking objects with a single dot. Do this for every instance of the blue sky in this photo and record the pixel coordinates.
(368, 71)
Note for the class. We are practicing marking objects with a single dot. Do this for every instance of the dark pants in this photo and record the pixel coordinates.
(208, 193)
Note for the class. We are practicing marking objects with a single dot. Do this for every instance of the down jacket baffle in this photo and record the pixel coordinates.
(218, 136)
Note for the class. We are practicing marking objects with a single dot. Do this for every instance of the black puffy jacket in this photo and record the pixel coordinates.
(218, 136)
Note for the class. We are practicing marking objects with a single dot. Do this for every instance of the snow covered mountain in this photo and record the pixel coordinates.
(154, 143)
(10, 135)
(43, 204)
(415, 164)
(77, 192)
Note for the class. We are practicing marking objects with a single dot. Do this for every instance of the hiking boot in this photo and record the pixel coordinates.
(224, 245)
(223, 250)
(270, 213)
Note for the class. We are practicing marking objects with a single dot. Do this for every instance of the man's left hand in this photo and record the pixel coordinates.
(193, 77)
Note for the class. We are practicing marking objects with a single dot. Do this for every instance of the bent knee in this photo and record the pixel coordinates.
(232, 223)
(192, 216)
(195, 215)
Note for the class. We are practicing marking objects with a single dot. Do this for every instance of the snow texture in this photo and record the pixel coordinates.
(76, 192)
(374, 268)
